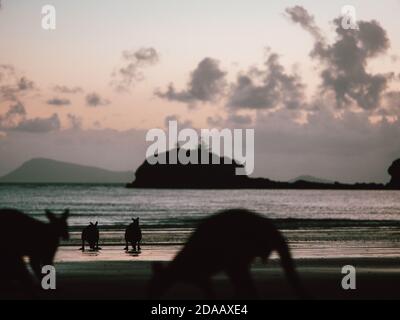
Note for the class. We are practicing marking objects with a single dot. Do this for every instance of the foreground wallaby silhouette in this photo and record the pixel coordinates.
(228, 241)
(20, 236)
(90, 234)
(133, 235)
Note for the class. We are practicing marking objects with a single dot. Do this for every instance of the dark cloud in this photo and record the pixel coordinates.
(131, 71)
(67, 90)
(15, 119)
(300, 15)
(95, 100)
(39, 125)
(241, 120)
(326, 147)
(25, 84)
(59, 102)
(344, 62)
(16, 109)
(74, 121)
(15, 114)
(267, 88)
(12, 84)
(206, 84)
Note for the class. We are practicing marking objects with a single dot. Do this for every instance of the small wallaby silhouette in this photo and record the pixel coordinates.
(228, 241)
(22, 235)
(90, 234)
(133, 235)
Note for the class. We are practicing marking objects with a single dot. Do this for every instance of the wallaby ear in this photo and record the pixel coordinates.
(157, 267)
(137, 219)
(50, 215)
(133, 219)
(96, 223)
(91, 223)
(65, 215)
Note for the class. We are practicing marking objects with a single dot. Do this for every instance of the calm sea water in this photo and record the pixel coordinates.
(114, 205)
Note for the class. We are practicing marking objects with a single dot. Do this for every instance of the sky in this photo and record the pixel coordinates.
(323, 100)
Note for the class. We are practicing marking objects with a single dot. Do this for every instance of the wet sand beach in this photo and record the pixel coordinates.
(377, 278)
(112, 273)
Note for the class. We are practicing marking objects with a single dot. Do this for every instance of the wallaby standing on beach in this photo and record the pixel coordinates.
(21, 235)
(228, 241)
(133, 235)
(90, 234)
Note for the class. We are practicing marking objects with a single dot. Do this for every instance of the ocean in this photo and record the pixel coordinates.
(358, 222)
(114, 205)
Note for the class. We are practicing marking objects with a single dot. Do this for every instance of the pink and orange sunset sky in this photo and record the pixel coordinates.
(322, 99)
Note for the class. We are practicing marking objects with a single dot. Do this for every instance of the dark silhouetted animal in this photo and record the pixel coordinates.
(228, 241)
(90, 234)
(133, 235)
(22, 235)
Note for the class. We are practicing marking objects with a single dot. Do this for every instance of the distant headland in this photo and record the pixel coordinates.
(41, 170)
(222, 176)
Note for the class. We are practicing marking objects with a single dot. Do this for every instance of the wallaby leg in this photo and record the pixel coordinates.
(126, 246)
(243, 283)
(138, 245)
(290, 270)
(12, 269)
(83, 246)
(134, 246)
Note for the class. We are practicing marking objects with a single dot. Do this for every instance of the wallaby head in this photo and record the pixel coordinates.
(59, 224)
(135, 221)
(160, 280)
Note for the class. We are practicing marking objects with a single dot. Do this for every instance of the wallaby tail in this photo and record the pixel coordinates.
(288, 266)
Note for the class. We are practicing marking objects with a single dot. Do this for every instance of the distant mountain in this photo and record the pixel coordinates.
(52, 171)
(311, 179)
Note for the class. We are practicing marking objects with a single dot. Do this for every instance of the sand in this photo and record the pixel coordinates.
(376, 278)
(115, 274)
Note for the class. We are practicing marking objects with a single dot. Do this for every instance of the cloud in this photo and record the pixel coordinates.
(67, 90)
(12, 84)
(241, 120)
(74, 121)
(344, 62)
(300, 15)
(206, 84)
(95, 100)
(15, 114)
(267, 88)
(59, 102)
(15, 119)
(39, 125)
(346, 149)
(131, 71)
